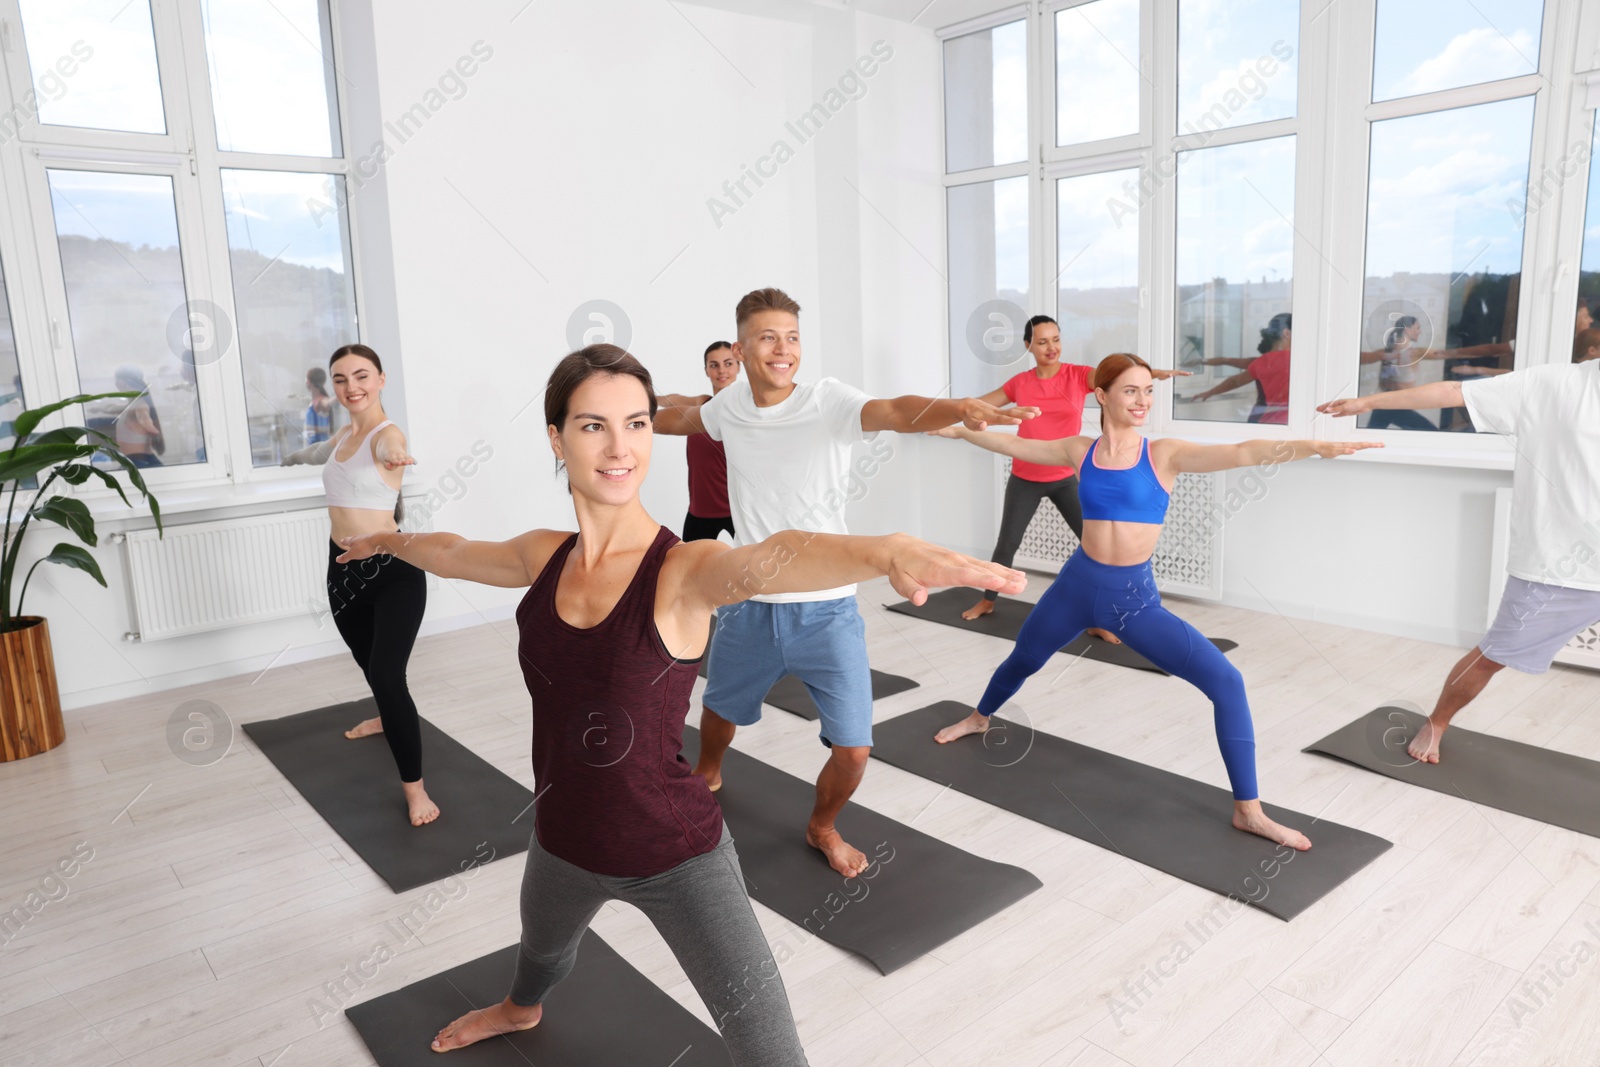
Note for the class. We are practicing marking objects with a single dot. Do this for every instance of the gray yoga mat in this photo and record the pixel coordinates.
(1006, 620)
(791, 695)
(919, 893)
(485, 814)
(1162, 820)
(1540, 783)
(604, 1014)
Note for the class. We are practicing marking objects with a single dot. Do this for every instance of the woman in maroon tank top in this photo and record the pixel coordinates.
(612, 628)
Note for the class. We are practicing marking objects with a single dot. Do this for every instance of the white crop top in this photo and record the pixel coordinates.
(358, 482)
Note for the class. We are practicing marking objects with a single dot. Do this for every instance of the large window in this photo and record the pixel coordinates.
(212, 279)
(1098, 80)
(1221, 179)
(1235, 267)
(1442, 285)
(988, 203)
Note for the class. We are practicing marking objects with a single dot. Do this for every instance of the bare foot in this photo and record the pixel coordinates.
(474, 1026)
(1248, 816)
(978, 610)
(712, 775)
(1424, 748)
(1105, 635)
(423, 810)
(366, 729)
(976, 723)
(844, 858)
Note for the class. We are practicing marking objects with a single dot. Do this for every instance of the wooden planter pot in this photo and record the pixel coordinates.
(30, 703)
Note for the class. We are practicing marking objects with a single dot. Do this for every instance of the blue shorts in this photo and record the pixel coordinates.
(822, 642)
(1535, 621)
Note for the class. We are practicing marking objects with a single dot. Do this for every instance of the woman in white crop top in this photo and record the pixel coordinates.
(377, 604)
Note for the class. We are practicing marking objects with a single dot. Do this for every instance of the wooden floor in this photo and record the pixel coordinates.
(217, 907)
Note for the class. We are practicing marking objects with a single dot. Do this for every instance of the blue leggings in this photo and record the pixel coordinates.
(1124, 600)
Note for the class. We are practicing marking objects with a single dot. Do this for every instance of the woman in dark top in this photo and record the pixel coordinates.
(612, 630)
(709, 513)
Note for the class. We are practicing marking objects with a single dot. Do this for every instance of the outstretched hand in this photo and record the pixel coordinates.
(952, 432)
(1353, 405)
(394, 457)
(358, 548)
(1163, 375)
(978, 415)
(918, 566)
(1335, 449)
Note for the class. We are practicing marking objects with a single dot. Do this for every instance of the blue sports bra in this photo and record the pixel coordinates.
(1132, 494)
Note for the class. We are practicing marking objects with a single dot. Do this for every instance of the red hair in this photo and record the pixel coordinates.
(1112, 367)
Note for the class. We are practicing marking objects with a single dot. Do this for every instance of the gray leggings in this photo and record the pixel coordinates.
(1022, 500)
(702, 911)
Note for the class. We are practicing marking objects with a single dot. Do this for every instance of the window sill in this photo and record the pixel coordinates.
(205, 503)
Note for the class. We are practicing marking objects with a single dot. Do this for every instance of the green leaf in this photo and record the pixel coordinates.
(78, 473)
(26, 421)
(31, 459)
(137, 479)
(65, 435)
(75, 556)
(71, 513)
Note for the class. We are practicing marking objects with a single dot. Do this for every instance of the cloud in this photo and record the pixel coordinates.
(1478, 55)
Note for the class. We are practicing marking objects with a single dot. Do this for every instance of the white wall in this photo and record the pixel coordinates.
(574, 164)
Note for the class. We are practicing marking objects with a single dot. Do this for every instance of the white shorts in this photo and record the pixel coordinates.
(1535, 621)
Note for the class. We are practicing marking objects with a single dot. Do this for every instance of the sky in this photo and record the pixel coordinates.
(272, 98)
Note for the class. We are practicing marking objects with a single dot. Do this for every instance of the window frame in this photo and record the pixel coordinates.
(188, 152)
(1332, 128)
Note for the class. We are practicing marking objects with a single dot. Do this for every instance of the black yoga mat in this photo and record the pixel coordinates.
(1540, 783)
(1006, 620)
(790, 694)
(1151, 816)
(604, 1014)
(918, 893)
(484, 814)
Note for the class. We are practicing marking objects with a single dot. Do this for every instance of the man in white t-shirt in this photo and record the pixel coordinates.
(789, 468)
(1553, 574)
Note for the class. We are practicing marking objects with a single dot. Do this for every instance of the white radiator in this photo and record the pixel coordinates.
(1584, 649)
(1188, 557)
(211, 575)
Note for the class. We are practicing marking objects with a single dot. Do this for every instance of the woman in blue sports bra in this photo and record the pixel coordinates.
(1123, 483)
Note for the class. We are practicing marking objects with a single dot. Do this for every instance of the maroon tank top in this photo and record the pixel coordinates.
(708, 477)
(615, 796)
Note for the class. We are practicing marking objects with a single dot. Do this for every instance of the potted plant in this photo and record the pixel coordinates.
(30, 703)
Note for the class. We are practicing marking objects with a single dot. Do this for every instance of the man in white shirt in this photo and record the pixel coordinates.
(1553, 574)
(788, 449)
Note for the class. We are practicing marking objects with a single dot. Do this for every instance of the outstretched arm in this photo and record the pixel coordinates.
(316, 454)
(1185, 457)
(1445, 394)
(679, 419)
(920, 414)
(797, 561)
(1064, 452)
(1226, 385)
(511, 564)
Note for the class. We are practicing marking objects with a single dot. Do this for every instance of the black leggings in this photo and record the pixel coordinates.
(696, 528)
(1022, 500)
(377, 605)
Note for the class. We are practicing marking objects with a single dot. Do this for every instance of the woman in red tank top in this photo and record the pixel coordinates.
(612, 628)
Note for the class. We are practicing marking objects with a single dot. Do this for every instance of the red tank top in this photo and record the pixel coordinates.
(708, 477)
(615, 796)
